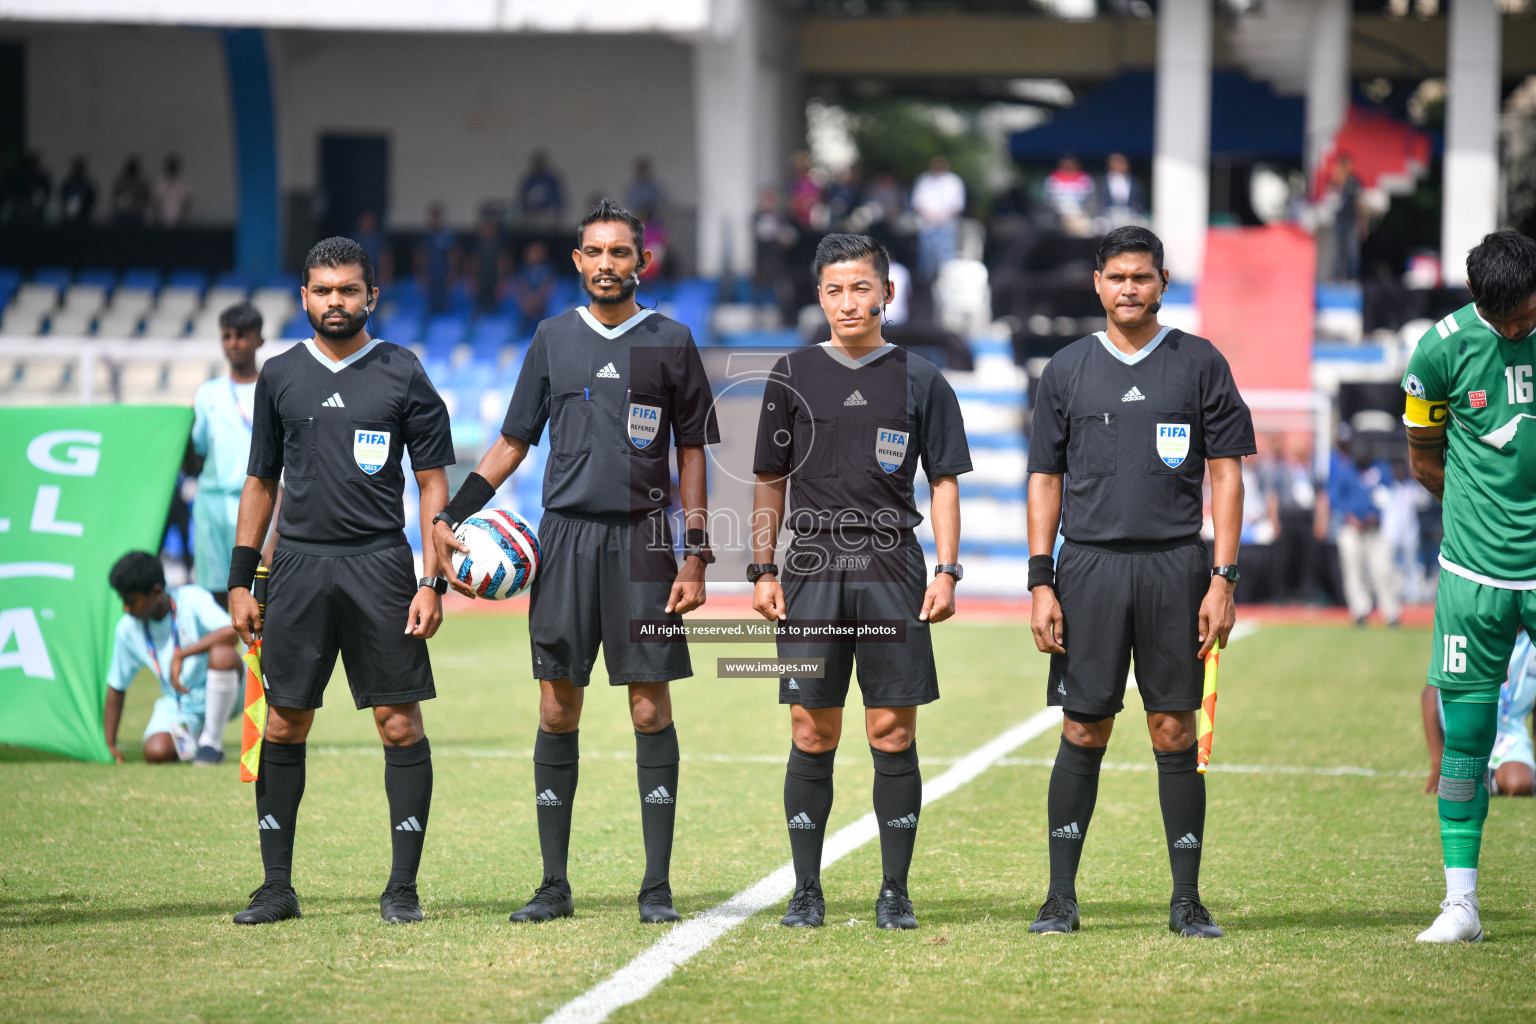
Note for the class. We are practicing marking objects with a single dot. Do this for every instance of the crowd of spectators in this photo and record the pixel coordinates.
(28, 195)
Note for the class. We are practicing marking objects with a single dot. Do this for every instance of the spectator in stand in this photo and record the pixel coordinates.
(371, 236)
(31, 192)
(540, 197)
(1359, 487)
(489, 263)
(843, 197)
(1292, 493)
(173, 199)
(437, 259)
(1121, 199)
(645, 197)
(1069, 192)
(532, 286)
(885, 201)
(77, 194)
(805, 200)
(938, 199)
(1400, 522)
(1346, 196)
(130, 195)
(773, 235)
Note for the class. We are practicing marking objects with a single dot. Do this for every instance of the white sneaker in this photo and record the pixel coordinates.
(1457, 923)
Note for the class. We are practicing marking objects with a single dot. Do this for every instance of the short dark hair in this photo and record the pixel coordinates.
(339, 251)
(242, 317)
(137, 572)
(1501, 271)
(609, 210)
(1129, 239)
(837, 248)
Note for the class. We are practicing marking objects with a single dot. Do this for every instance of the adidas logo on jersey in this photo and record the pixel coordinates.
(1133, 395)
(1067, 832)
(1186, 842)
(608, 371)
(410, 825)
(802, 820)
(334, 402)
(855, 399)
(269, 822)
(659, 795)
(906, 821)
(548, 799)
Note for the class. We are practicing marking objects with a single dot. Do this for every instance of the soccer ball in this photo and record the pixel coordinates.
(503, 556)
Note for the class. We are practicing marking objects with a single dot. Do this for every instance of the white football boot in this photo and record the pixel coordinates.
(1457, 922)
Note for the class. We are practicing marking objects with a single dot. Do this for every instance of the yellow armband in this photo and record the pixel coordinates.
(1422, 413)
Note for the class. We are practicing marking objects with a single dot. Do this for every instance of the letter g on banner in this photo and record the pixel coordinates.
(78, 459)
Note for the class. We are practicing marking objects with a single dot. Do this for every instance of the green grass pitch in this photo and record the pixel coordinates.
(117, 884)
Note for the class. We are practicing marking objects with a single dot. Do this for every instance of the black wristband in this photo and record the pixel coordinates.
(696, 538)
(473, 494)
(1042, 571)
(243, 562)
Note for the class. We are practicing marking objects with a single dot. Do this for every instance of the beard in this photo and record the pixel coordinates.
(342, 332)
(626, 291)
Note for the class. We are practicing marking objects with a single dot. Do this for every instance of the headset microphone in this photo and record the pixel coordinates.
(1156, 305)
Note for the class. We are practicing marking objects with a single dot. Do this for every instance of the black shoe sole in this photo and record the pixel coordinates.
(286, 917)
(659, 915)
(544, 912)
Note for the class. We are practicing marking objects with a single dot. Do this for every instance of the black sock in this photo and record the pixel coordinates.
(279, 788)
(656, 769)
(1069, 808)
(1181, 791)
(555, 763)
(408, 784)
(898, 799)
(808, 806)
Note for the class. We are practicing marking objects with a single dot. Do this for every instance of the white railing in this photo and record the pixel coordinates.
(88, 353)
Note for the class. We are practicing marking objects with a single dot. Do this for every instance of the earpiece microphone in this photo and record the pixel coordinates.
(877, 311)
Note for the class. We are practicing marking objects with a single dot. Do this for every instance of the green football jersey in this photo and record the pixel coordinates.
(1487, 383)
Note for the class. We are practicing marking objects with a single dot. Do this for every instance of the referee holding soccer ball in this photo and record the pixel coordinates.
(1126, 423)
(332, 417)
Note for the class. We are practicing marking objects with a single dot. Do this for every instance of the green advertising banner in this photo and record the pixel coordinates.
(79, 487)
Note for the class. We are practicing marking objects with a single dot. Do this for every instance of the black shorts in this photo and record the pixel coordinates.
(889, 587)
(595, 575)
(1115, 604)
(323, 599)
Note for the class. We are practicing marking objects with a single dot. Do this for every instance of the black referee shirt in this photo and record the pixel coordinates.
(1132, 434)
(611, 397)
(848, 434)
(335, 433)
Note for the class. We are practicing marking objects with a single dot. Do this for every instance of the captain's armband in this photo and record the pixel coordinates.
(1420, 412)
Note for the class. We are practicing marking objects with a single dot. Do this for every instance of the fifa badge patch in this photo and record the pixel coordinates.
(890, 448)
(1413, 386)
(1478, 399)
(370, 450)
(1173, 443)
(644, 424)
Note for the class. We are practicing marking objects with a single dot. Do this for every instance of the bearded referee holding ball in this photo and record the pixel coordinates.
(332, 417)
(1126, 423)
(612, 380)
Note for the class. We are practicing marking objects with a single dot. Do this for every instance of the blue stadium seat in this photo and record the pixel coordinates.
(282, 280)
(404, 331)
(297, 328)
(567, 295)
(442, 334)
(105, 277)
(232, 279)
(403, 289)
(188, 278)
(141, 277)
(785, 338)
(488, 336)
(10, 278)
(59, 277)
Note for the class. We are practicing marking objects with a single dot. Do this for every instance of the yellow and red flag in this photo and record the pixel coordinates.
(253, 723)
(1207, 723)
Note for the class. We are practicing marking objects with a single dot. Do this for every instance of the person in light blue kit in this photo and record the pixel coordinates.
(176, 635)
(219, 449)
(1512, 765)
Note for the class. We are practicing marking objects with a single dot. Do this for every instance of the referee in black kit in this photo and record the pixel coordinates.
(612, 380)
(1126, 423)
(333, 416)
(847, 421)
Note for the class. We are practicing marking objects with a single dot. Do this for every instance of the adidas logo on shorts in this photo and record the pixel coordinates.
(410, 825)
(792, 685)
(659, 795)
(608, 371)
(269, 822)
(1067, 832)
(548, 799)
(905, 821)
(1186, 842)
(855, 399)
(802, 820)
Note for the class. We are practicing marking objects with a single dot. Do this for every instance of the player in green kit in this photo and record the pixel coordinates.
(1471, 387)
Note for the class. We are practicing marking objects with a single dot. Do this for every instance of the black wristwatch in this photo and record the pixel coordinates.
(1227, 572)
(438, 584)
(444, 517)
(757, 569)
(702, 550)
(954, 570)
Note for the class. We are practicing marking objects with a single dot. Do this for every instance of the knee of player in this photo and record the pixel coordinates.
(650, 718)
(813, 740)
(1088, 734)
(892, 739)
(160, 749)
(222, 657)
(1515, 780)
(1172, 731)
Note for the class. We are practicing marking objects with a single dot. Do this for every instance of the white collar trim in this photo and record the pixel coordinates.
(338, 366)
(850, 361)
(1131, 360)
(612, 332)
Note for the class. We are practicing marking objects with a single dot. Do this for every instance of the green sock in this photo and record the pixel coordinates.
(1470, 727)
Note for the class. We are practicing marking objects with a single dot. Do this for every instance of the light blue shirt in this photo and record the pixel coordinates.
(221, 433)
(1518, 694)
(197, 614)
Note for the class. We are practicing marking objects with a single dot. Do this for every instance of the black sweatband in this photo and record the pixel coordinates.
(473, 494)
(243, 562)
(696, 538)
(1042, 571)
(1426, 446)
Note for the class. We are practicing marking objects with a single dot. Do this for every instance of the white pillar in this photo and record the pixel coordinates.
(726, 106)
(1470, 202)
(1181, 188)
(1327, 76)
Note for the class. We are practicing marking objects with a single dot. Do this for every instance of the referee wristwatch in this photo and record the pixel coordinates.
(437, 584)
(757, 569)
(1228, 573)
(955, 570)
